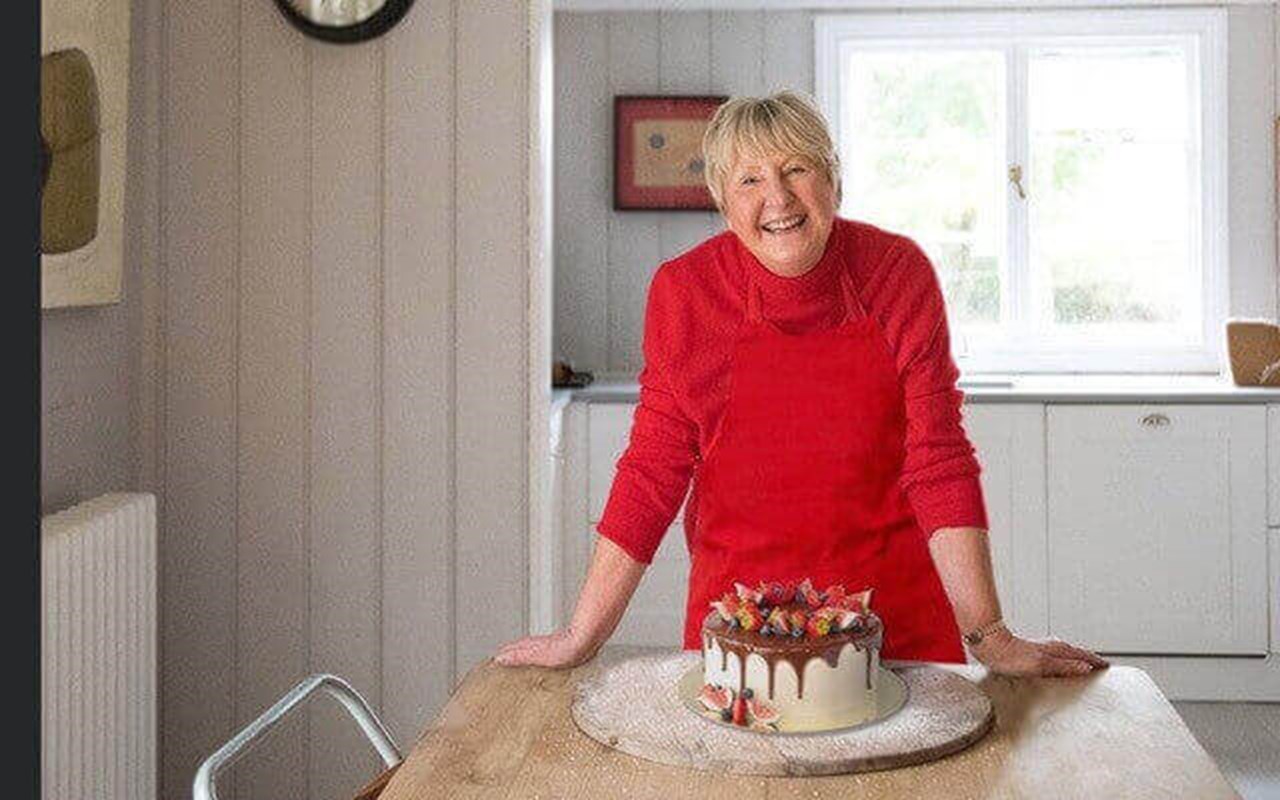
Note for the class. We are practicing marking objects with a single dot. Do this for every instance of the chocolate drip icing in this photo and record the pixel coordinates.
(796, 652)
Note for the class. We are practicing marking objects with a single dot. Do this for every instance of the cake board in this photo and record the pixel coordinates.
(633, 706)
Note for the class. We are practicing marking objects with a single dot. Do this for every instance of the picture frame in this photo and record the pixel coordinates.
(657, 157)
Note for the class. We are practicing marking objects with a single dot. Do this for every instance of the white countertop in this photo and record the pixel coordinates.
(990, 388)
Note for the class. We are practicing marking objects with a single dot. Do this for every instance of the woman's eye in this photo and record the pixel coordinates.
(795, 169)
(749, 179)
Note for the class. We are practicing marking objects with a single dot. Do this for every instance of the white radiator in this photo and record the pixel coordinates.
(98, 650)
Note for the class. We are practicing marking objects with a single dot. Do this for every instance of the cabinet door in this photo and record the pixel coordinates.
(1157, 528)
(655, 615)
(1273, 465)
(609, 431)
(1008, 440)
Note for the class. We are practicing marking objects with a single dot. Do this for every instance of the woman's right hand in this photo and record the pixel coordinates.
(564, 648)
(611, 579)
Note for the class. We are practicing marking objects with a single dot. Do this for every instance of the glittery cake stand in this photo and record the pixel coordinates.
(634, 706)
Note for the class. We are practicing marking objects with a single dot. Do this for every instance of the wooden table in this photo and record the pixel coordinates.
(507, 732)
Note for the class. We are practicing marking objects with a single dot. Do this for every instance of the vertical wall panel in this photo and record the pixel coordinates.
(492, 301)
(142, 249)
(418, 380)
(583, 189)
(272, 413)
(684, 67)
(634, 240)
(737, 52)
(201, 218)
(1251, 174)
(737, 62)
(788, 51)
(346, 263)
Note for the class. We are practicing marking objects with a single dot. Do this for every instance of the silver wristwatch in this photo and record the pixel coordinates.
(975, 637)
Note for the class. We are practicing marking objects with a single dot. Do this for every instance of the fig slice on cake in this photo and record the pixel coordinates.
(762, 713)
(714, 698)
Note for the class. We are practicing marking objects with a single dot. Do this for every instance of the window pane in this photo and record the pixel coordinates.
(1110, 212)
(922, 151)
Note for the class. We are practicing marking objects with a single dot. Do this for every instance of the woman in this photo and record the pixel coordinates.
(798, 370)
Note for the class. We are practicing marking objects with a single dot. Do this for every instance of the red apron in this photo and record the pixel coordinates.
(802, 480)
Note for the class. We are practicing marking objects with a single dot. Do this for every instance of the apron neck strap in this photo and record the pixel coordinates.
(853, 309)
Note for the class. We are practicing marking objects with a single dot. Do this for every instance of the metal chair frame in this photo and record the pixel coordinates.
(203, 787)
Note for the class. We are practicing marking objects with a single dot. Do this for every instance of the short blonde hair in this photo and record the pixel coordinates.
(787, 122)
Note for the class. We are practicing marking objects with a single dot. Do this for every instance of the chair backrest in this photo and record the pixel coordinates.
(204, 788)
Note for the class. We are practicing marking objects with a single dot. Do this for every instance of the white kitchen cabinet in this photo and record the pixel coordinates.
(1008, 441)
(609, 430)
(655, 615)
(1157, 528)
(1273, 467)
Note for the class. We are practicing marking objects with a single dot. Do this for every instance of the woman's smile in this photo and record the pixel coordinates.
(785, 225)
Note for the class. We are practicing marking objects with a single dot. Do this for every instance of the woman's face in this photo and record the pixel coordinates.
(781, 208)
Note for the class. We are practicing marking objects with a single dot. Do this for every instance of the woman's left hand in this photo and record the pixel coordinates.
(1008, 654)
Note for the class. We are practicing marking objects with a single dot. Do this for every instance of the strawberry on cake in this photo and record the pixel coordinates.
(786, 656)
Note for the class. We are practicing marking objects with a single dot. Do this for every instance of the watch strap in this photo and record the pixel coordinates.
(975, 636)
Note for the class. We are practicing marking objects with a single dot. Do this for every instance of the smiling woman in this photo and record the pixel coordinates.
(798, 372)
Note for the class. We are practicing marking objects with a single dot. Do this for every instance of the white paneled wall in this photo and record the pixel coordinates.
(332, 358)
(604, 259)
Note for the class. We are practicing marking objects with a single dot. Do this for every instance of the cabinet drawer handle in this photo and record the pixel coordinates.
(1155, 420)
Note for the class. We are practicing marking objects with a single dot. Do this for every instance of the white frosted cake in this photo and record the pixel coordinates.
(784, 656)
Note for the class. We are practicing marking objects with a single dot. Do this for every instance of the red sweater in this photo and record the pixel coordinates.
(697, 300)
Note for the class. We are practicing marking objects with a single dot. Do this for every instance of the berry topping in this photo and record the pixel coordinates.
(776, 593)
(818, 626)
(762, 712)
(722, 610)
(812, 599)
(726, 714)
(749, 617)
(748, 693)
(746, 593)
(796, 633)
(864, 601)
(714, 698)
(849, 621)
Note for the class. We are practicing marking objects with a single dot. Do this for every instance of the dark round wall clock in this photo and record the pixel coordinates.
(344, 21)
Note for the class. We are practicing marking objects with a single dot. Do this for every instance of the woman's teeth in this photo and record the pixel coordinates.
(784, 225)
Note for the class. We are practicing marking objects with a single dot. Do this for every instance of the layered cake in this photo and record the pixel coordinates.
(787, 656)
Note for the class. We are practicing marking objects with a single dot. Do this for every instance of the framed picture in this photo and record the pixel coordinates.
(657, 152)
(84, 122)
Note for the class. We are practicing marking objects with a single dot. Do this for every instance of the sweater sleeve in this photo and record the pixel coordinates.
(940, 471)
(652, 475)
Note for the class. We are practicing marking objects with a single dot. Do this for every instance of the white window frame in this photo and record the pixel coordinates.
(835, 35)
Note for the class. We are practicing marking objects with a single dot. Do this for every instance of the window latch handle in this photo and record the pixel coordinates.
(1015, 177)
